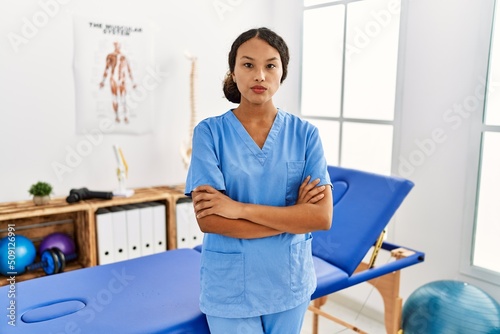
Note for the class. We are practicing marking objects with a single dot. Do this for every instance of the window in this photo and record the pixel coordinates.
(349, 76)
(481, 259)
(487, 225)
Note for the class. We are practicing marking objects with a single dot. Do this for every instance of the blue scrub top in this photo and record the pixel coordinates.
(251, 277)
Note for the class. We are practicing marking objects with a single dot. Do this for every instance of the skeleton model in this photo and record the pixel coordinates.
(186, 145)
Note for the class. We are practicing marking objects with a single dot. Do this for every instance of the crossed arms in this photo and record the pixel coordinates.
(218, 213)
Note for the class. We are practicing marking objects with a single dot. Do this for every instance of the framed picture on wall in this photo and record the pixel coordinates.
(115, 75)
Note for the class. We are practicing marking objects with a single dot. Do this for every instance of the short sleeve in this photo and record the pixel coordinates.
(316, 164)
(204, 168)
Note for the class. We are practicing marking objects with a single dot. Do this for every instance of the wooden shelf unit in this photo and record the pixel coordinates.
(79, 221)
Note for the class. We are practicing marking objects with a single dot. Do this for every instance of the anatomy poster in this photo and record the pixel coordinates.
(115, 77)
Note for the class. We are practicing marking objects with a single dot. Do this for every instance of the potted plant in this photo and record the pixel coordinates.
(41, 192)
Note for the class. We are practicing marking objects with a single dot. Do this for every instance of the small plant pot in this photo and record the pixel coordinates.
(41, 200)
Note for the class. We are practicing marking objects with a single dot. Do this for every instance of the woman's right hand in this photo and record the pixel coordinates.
(309, 192)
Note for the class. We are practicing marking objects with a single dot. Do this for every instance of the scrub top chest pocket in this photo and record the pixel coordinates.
(294, 174)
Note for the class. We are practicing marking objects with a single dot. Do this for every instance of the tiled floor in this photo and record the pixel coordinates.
(358, 305)
(365, 323)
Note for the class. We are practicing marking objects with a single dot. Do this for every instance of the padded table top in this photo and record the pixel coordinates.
(152, 294)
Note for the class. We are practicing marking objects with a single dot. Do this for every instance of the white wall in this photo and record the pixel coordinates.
(445, 54)
(446, 61)
(37, 127)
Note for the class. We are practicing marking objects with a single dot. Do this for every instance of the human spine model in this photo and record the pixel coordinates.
(186, 147)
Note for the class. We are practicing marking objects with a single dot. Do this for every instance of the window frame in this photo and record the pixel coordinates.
(470, 207)
(474, 154)
(396, 121)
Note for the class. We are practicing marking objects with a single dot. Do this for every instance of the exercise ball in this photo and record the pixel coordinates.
(16, 253)
(450, 307)
(58, 240)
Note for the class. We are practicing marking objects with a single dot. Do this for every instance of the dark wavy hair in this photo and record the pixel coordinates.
(229, 86)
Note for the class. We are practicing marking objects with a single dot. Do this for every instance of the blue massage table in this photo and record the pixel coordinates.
(153, 294)
(160, 293)
(364, 203)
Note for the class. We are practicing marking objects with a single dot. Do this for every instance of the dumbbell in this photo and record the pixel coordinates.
(52, 261)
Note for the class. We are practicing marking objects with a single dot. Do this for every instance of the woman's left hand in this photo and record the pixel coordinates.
(309, 192)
